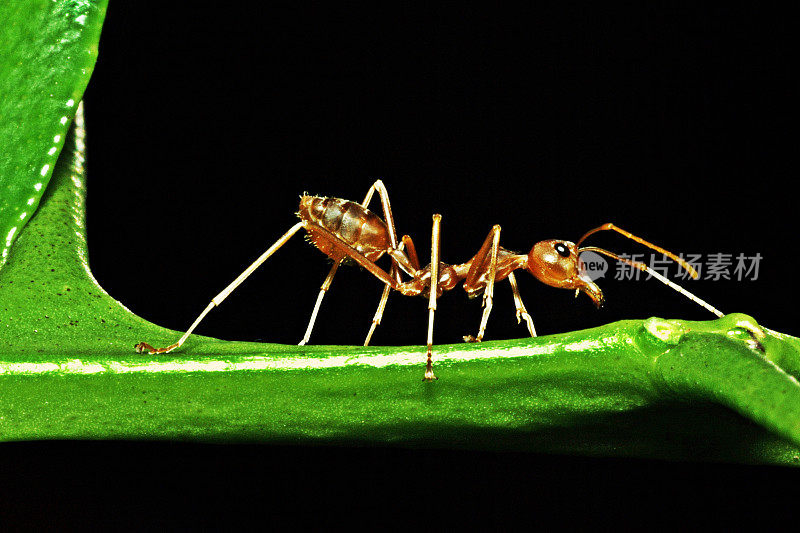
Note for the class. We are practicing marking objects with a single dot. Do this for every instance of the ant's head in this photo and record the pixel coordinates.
(557, 263)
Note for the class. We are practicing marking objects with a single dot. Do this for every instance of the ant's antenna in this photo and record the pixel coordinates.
(686, 266)
(641, 266)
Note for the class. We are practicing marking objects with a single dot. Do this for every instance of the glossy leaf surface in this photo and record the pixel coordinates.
(48, 52)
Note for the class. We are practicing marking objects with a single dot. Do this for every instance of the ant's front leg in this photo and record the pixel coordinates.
(522, 313)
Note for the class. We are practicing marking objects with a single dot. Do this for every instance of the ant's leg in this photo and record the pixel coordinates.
(429, 376)
(490, 246)
(411, 251)
(382, 275)
(219, 298)
(409, 267)
(387, 208)
(394, 272)
(322, 290)
(376, 319)
(407, 244)
(488, 293)
(521, 311)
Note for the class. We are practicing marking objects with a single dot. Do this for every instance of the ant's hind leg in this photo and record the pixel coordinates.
(322, 291)
(219, 298)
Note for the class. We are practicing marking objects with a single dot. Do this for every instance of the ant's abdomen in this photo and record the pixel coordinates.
(355, 225)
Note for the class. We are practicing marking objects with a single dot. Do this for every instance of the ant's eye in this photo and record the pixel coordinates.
(562, 249)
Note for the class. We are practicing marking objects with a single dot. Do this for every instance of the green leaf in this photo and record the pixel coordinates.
(48, 52)
(719, 390)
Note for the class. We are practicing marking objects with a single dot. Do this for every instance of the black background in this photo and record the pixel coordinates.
(205, 125)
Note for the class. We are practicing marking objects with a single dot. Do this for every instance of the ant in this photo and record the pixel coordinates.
(346, 231)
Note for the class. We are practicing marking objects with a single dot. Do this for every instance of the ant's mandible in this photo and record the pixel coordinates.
(343, 229)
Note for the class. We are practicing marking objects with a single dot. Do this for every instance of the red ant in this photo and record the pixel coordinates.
(344, 230)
